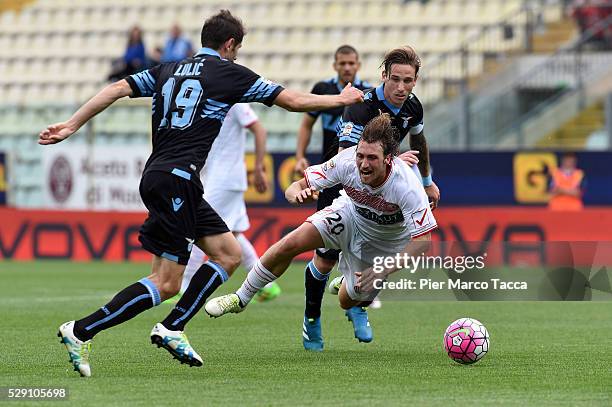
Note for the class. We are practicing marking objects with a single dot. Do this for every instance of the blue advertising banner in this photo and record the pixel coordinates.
(508, 178)
(483, 178)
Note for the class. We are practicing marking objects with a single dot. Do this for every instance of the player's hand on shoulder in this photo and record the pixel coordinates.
(410, 157)
(55, 133)
(306, 195)
(300, 166)
(351, 94)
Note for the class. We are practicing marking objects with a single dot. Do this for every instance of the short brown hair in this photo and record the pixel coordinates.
(220, 28)
(405, 55)
(345, 49)
(380, 130)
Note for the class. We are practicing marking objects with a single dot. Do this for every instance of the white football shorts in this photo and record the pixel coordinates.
(230, 206)
(339, 231)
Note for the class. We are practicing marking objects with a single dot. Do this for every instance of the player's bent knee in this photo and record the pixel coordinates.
(225, 252)
(229, 261)
(323, 265)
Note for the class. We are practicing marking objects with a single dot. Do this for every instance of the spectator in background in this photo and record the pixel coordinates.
(134, 58)
(178, 47)
(567, 185)
(588, 13)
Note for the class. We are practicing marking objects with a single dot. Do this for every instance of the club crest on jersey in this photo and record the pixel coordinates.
(348, 128)
(190, 243)
(406, 119)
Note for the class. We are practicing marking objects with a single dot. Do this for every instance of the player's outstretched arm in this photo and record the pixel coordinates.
(295, 101)
(303, 140)
(414, 248)
(106, 97)
(300, 193)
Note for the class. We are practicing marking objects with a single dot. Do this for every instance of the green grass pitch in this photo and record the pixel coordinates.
(541, 353)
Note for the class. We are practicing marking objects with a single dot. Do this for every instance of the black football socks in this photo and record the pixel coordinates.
(204, 282)
(125, 305)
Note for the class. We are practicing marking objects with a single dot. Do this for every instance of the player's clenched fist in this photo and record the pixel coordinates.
(304, 196)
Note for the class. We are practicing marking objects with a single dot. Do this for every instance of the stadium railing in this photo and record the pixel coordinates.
(518, 112)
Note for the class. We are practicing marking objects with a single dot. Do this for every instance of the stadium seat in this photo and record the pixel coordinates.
(11, 121)
(8, 20)
(60, 51)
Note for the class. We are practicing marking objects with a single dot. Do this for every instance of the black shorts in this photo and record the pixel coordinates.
(326, 197)
(178, 216)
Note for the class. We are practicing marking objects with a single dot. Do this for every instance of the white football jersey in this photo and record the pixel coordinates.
(225, 167)
(395, 211)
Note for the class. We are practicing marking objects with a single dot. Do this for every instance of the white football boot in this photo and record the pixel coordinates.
(77, 350)
(223, 305)
(176, 343)
(335, 284)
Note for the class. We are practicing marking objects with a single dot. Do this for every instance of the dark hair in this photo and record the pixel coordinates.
(220, 28)
(136, 41)
(569, 154)
(345, 49)
(405, 55)
(380, 130)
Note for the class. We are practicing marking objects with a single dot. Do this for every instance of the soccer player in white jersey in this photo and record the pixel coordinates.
(382, 211)
(224, 178)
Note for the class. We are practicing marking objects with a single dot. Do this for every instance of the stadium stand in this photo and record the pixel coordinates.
(55, 54)
(70, 44)
(574, 133)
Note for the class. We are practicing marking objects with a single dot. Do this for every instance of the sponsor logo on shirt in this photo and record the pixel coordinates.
(420, 218)
(384, 219)
(373, 201)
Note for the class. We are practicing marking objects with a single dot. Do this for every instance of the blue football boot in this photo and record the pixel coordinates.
(311, 334)
(361, 325)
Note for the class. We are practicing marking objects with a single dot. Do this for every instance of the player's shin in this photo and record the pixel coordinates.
(128, 303)
(203, 283)
(314, 283)
(257, 278)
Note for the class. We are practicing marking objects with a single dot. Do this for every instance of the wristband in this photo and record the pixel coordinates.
(427, 181)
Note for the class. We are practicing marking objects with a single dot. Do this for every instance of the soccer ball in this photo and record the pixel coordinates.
(466, 341)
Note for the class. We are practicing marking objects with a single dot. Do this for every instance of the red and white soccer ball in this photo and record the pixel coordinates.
(466, 341)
